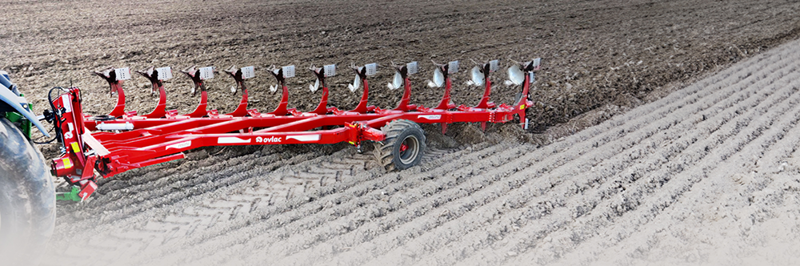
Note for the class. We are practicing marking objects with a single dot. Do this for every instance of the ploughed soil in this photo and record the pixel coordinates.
(595, 52)
(695, 161)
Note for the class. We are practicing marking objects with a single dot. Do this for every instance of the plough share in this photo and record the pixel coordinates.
(122, 140)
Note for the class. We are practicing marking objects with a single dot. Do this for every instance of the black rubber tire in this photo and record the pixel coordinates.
(27, 199)
(388, 152)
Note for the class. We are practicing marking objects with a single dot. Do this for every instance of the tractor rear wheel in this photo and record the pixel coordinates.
(27, 198)
(403, 146)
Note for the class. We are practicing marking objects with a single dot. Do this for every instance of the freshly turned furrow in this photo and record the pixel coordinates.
(672, 102)
(516, 218)
(300, 256)
(302, 217)
(701, 158)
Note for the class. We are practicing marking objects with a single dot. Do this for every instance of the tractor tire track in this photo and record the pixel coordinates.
(226, 204)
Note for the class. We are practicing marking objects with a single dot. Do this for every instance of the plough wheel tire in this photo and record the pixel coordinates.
(403, 146)
(27, 199)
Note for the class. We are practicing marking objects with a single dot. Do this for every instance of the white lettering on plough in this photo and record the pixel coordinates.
(272, 139)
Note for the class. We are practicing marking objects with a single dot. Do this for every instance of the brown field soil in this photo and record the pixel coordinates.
(677, 174)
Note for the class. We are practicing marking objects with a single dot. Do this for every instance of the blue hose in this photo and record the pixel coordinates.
(4, 79)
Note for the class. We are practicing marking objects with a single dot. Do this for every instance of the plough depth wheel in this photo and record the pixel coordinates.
(403, 146)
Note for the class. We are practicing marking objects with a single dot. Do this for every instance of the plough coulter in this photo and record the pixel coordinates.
(106, 145)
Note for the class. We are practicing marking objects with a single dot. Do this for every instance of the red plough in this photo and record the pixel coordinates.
(123, 140)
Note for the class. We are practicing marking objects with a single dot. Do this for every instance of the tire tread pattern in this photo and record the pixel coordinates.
(384, 150)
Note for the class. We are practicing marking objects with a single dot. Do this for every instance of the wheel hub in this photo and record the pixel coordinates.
(409, 150)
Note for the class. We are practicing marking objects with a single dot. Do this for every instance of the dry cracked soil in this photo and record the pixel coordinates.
(664, 133)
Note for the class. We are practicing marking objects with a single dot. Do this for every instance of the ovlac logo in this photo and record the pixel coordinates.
(271, 139)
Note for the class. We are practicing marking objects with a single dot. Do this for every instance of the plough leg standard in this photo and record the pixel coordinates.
(110, 144)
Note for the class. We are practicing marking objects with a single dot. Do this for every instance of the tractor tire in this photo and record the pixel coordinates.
(27, 199)
(403, 146)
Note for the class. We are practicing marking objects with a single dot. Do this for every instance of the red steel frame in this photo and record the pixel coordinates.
(163, 135)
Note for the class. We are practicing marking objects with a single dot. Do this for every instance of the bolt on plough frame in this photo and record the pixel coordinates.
(110, 144)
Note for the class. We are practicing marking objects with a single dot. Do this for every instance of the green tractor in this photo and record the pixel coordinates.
(27, 196)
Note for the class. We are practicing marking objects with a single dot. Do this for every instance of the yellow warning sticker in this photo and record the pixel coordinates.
(67, 163)
(75, 147)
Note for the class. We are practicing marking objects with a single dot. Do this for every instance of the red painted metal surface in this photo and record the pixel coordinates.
(132, 141)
